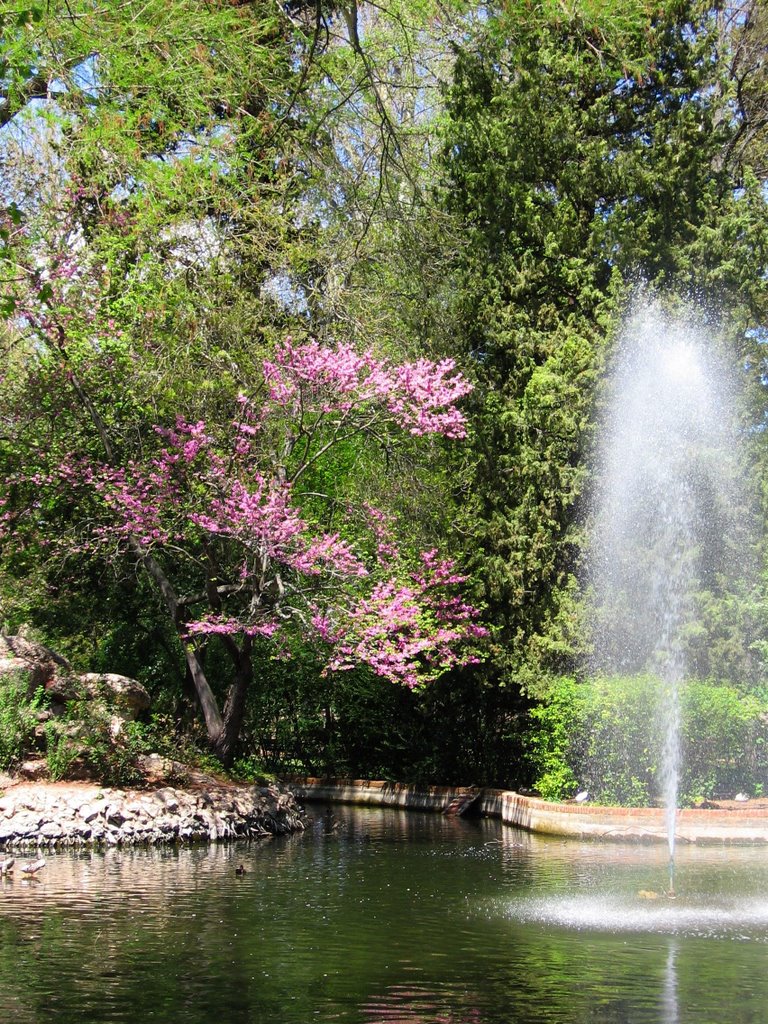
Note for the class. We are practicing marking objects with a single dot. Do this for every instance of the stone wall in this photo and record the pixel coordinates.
(744, 824)
(73, 814)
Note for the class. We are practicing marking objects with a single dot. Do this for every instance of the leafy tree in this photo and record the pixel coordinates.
(185, 185)
(586, 151)
(230, 511)
(196, 174)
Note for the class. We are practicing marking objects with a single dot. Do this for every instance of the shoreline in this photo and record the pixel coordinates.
(80, 814)
(47, 815)
(728, 824)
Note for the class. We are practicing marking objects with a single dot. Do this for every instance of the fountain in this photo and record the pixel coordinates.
(666, 515)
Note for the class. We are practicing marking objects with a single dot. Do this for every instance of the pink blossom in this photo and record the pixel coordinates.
(220, 506)
(421, 396)
(217, 625)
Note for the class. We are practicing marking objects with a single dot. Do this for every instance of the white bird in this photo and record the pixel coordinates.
(6, 866)
(741, 797)
(33, 867)
(582, 796)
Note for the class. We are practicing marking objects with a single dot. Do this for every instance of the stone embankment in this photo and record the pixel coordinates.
(38, 813)
(728, 822)
(75, 814)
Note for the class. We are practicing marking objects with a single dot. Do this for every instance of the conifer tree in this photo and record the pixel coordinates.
(588, 152)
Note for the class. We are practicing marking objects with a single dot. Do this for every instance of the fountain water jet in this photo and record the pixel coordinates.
(671, 536)
(665, 514)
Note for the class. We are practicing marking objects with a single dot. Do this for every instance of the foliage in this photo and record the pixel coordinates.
(552, 725)
(61, 750)
(298, 722)
(87, 740)
(18, 718)
(185, 186)
(251, 770)
(174, 221)
(605, 735)
(587, 149)
(230, 500)
(112, 757)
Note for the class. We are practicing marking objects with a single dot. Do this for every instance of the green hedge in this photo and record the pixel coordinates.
(606, 735)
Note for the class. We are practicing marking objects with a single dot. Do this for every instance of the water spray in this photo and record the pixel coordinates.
(666, 500)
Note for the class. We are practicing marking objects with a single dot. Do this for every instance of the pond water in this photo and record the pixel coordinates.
(387, 917)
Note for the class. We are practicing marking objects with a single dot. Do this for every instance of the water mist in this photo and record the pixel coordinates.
(665, 504)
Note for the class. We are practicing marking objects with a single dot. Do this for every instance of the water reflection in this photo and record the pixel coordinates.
(373, 917)
(669, 990)
(419, 1004)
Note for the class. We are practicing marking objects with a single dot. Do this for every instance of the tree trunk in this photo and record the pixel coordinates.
(210, 708)
(225, 745)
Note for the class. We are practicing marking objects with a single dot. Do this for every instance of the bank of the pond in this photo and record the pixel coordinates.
(728, 823)
(81, 813)
(40, 814)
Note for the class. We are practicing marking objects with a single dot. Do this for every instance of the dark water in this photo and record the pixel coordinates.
(382, 917)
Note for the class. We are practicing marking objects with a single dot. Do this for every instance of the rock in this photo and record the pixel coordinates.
(158, 769)
(42, 665)
(116, 816)
(75, 814)
(147, 810)
(34, 770)
(169, 799)
(90, 812)
(121, 696)
(121, 693)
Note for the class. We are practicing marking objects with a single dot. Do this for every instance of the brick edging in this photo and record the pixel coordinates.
(584, 821)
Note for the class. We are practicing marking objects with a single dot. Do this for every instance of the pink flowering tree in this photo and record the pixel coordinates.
(242, 521)
(234, 500)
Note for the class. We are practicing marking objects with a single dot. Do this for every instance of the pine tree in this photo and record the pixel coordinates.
(587, 153)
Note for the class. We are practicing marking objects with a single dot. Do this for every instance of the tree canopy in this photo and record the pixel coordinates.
(309, 308)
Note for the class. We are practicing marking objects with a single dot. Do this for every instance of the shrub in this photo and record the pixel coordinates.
(549, 746)
(18, 718)
(606, 735)
(61, 750)
(85, 739)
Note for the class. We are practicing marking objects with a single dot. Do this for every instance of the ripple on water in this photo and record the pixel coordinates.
(735, 919)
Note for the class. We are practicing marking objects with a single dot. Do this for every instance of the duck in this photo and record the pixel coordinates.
(240, 869)
(33, 867)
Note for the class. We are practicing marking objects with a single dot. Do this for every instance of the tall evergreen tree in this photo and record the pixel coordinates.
(587, 152)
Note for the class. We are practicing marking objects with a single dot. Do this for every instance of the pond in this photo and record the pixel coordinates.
(388, 917)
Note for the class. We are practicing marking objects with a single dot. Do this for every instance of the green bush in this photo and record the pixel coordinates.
(250, 769)
(725, 741)
(113, 759)
(606, 735)
(18, 718)
(549, 747)
(84, 739)
(61, 750)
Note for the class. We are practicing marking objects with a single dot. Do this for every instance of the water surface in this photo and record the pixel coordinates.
(387, 917)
